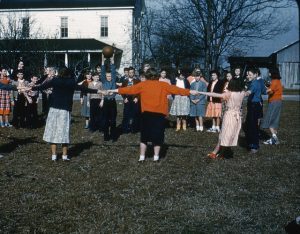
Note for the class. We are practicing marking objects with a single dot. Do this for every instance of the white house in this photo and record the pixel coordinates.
(72, 31)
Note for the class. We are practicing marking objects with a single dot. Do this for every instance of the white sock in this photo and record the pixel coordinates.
(201, 128)
(156, 157)
(218, 128)
(213, 127)
(274, 136)
(142, 157)
(197, 127)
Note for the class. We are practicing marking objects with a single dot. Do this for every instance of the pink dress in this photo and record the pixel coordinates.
(232, 120)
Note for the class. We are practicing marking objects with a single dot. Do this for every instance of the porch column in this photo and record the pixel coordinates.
(66, 60)
(89, 58)
(45, 60)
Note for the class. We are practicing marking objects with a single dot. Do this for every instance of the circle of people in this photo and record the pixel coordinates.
(145, 104)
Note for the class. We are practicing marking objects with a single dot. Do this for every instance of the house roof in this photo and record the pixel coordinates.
(285, 47)
(25, 4)
(54, 45)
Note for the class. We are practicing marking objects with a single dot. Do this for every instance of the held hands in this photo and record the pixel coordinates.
(135, 100)
(194, 92)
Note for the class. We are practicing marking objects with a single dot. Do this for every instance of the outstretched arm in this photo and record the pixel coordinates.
(217, 95)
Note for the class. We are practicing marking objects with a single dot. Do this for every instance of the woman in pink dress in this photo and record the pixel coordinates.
(232, 121)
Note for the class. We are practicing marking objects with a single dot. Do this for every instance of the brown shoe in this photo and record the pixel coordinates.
(212, 155)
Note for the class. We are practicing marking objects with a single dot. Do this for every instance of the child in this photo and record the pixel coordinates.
(20, 101)
(85, 110)
(131, 111)
(5, 100)
(163, 76)
(57, 129)
(181, 104)
(214, 107)
(271, 119)
(32, 114)
(197, 108)
(108, 79)
(232, 122)
(95, 103)
(154, 104)
(254, 110)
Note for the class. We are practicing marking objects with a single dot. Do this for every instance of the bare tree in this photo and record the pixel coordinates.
(219, 27)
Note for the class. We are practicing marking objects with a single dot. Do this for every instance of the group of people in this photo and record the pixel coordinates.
(146, 100)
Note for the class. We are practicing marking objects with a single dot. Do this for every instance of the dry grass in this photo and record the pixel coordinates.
(104, 190)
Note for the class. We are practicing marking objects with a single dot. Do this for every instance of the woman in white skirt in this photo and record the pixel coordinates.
(57, 129)
(181, 104)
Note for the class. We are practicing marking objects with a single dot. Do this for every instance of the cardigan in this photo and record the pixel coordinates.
(63, 91)
(154, 95)
(219, 87)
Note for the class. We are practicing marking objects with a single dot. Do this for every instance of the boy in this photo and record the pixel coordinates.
(254, 110)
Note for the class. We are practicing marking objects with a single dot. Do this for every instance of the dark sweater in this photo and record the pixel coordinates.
(63, 91)
(218, 88)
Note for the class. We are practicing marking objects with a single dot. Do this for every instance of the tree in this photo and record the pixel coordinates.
(219, 27)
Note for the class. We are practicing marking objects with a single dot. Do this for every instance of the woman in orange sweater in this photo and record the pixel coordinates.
(154, 103)
(271, 119)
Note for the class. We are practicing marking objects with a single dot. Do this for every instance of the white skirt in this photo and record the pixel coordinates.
(57, 128)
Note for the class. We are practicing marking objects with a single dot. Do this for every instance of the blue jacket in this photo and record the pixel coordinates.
(199, 86)
(107, 85)
(257, 88)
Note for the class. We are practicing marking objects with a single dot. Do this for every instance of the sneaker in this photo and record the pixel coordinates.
(253, 151)
(2, 125)
(271, 141)
(54, 157)
(156, 158)
(8, 125)
(212, 130)
(142, 158)
(201, 128)
(197, 128)
(86, 127)
(217, 130)
(65, 158)
(212, 155)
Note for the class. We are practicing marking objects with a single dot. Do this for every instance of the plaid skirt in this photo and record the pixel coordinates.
(5, 106)
(57, 128)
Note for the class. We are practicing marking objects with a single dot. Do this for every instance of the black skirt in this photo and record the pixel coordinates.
(153, 128)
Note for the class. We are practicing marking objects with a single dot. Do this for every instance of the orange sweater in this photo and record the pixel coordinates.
(276, 91)
(154, 94)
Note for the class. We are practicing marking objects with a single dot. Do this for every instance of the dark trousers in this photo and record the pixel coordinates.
(109, 117)
(19, 113)
(131, 117)
(96, 115)
(254, 112)
(32, 114)
(45, 104)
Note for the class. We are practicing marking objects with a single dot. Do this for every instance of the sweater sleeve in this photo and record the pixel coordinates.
(172, 89)
(131, 90)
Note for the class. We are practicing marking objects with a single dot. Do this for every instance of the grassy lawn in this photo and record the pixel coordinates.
(105, 190)
(291, 91)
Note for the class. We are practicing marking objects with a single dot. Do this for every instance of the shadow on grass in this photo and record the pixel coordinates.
(76, 149)
(15, 142)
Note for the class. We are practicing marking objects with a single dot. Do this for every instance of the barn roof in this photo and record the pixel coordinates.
(25, 4)
(285, 47)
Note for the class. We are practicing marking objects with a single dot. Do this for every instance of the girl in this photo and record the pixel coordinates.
(231, 124)
(163, 76)
(197, 108)
(154, 104)
(95, 103)
(5, 100)
(57, 130)
(271, 119)
(228, 78)
(181, 104)
(85, 110)
(214, 107)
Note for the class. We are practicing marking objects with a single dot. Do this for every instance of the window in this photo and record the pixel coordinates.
(104, 26)
(25, 27)
(64, 27)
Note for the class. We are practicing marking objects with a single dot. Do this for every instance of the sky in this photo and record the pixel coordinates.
(267, 47)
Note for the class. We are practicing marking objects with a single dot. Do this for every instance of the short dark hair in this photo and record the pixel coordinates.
(126, 69)
(234, 85)
(275, 74)
(151, 74)
(131, 68)
(65, 72)
(216, 72)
